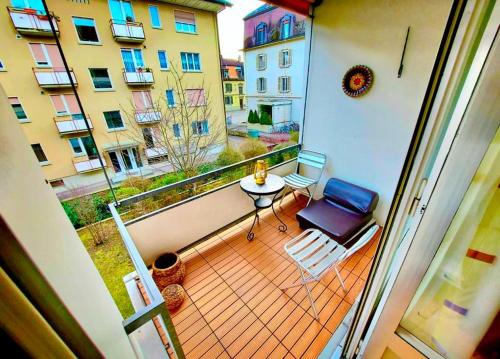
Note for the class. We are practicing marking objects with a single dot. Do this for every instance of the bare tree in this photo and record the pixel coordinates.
(197, 128)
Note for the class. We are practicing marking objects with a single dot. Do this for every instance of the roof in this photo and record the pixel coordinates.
(208, 5)
(231, 62)
(260, 10)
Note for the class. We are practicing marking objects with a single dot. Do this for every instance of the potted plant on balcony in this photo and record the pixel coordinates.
(168, 269)
(129, 19)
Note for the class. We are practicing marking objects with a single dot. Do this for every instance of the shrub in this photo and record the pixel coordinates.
(265, 119)
(167, 179)
(252, 117)
(252, 148)
(206, 167)
(294, 136)
(72, 214)
(138, 182)
(124, 192)
(100, 204)
(229, 156)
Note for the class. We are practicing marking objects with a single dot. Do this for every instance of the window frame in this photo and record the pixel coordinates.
(24, 120)
(264, 57)
(80, 144)
(195, 32)
(3, 68)
(281, 57)
(133, 51)
(173, 98)
(101, 89)
(229, 103)
(261, 28)
(187, 62)
(230, 85)
(178, 130)
(45, 53)
(160, 26)
(260, 90)
(288, 82)
(166, 59)
(123, 13)
(80, 41)
(123, 127)
(287, 18)
(200, 123)
(42, 163)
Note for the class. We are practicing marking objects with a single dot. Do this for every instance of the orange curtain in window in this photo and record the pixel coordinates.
(184, 17)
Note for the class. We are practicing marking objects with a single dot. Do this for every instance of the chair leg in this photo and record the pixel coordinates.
(309, 294)
(284, 194)
(340, 279)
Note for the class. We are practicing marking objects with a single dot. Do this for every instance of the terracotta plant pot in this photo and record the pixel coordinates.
(168, 269)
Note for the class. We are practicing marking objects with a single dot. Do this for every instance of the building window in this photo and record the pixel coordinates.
(190, 61)
(18, 109)
(101, 79)
(261, 62)
(132, 59)
(284, 84)
(40, 155)
(46, 55)
(240, 89)
(196, 97)
(154, 14)
(170, 98)
(113, 120)
(200, 128)
(261, 84)
(121, 10)
(163, 59)
(125, 160)
(285, 58)
(229, 87)
(228, 100)
(82, 146)
(57, 183)
(65, 104)
(29, 4)
(86, 30)
(286, 27)
(261, 34)
(184, 22)
(177, 130)
(239, 73)
(143, 100)
(225, 73)
(148, 137)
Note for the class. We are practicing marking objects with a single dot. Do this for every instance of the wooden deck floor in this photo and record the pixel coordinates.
(234, 307)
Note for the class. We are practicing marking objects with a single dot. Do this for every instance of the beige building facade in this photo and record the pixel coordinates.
(121, 54)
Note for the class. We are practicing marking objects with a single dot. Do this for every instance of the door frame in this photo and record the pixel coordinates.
(439, 201)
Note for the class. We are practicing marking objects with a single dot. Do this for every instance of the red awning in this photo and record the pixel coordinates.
(303, 7)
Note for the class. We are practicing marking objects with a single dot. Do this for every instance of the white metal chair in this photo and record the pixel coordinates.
(315, 253)
(297, 182)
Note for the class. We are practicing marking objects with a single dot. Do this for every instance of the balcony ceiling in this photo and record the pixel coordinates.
(303, 7)
(208, 5)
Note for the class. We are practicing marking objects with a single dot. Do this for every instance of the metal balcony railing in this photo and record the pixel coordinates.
(87, 163)
(139, 77)
(53, 77)
(31, 22)
(127, 31)
(69, 124)
(147, 116)
(157, 306)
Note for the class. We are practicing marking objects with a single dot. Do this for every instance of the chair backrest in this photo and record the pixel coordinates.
(361, 242)
(350, 196)
(312, 159)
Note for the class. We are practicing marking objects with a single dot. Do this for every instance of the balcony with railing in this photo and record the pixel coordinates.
(139, 77)
(31, 22)
(70, 124)
(87, 164)
(147, 116)
(54, 77)
(127, 31)
(155, 152)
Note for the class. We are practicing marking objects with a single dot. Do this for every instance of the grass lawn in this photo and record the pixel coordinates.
(113, 263)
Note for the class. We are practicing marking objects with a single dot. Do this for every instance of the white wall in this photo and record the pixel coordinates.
(366, 139)
(296, 71)
(35, 216)
(183, 225)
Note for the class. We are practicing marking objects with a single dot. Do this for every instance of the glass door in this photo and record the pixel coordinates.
(459, 297)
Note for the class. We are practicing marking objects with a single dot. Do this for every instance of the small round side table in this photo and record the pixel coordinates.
(260, 194)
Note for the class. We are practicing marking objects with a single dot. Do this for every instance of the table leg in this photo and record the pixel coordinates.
(282, 227)
(250, 234)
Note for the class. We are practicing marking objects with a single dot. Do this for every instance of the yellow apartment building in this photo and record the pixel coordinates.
(233, 79)
(121, 54)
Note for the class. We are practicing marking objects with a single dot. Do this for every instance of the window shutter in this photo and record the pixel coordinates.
(280, 84)
(281, 58)
(184, 17)
(38, 53)
(72, 103)
(289, 57)
(14, 101)
(54, 55)
(57, 101)
(289, 88)
(196, 97)
(138, 100)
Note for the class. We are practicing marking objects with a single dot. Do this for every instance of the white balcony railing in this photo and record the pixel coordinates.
(127, 31)
(156, 152)
(29, 22)
(138, 77)
(86, 164)
(67, 124)
(55, 77)
(147, 116)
